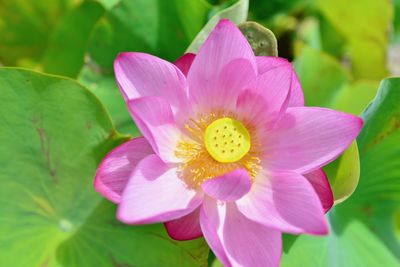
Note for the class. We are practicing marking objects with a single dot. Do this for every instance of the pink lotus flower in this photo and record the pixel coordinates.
(229, 150)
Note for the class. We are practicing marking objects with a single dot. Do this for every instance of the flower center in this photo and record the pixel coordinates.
(227, 140)
(201, 156)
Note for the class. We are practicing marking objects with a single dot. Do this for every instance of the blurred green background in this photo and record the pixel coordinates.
(61, 112)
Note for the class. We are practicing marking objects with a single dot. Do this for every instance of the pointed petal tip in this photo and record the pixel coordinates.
(185, 62)
(120, 217)
(120, 56)
(357, 122)
(323, 230)
(360, 122)
(125, 218)
(225, 22)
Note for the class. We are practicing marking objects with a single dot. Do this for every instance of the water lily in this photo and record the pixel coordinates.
(228, 152)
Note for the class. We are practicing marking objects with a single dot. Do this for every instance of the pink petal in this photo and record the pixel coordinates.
(184, 62)
(265, 64)
(225, 44)
(274, 86)
(221, 92)
(296, 98)
(251, 107)
(115, 169)
(228, 187)
(320, 182)
(140, 74)
(286, 202)
(236, 240)
(306, 139)
(155, 193)
(211, 227)
(154, 118)
(185, 228)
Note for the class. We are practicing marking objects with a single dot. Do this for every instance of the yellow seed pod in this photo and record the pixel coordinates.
(227, 140)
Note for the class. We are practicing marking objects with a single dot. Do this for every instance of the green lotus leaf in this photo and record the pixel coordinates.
(66, 47)
(50, 213)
